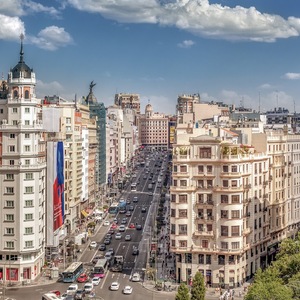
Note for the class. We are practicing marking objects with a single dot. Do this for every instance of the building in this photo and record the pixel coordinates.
(22, 177)
(131, 101)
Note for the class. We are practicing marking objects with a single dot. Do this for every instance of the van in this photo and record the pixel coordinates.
(108, 256)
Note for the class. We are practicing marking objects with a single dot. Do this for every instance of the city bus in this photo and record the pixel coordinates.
(133, 187)
(100, 268)
(72, 272)
(113, 209)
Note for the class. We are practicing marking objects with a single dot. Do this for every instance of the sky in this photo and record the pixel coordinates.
(242, 52)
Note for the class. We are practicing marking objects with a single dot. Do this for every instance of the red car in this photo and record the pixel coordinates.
(131, 225)
(82, 278)
(56, 292)
(113, 226)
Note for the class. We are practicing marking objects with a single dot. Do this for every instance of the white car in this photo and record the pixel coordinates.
(115, 286)
(93, 244)
(135, 277)
(122, 228)
(88, 287)
(106, 223)
(127, 290)
(96, 281)
(118, 236)
(72, 289)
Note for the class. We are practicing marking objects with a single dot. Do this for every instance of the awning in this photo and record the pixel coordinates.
(84, 213)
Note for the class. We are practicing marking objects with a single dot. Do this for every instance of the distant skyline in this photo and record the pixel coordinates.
(232, 51)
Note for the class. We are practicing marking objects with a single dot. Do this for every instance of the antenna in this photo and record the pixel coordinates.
(277, 98)
(259, 102)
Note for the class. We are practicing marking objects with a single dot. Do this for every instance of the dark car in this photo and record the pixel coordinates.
(111, 231)
(128, 201)
(124, 221)
(131, 208)
(79, 294)
(128, 214)
(122, 211)
(108, 236)
(144, 209)
(107, 241)
(139, 227)
(102, 247)
(111, 250)
(135, 251)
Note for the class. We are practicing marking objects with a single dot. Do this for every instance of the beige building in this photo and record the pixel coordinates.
(131, 101)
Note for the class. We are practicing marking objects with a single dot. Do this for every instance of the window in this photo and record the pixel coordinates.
(173, 197)
(183, 243)
(15, 122)
(204, 243)
(224, 198)
(12, 136)
(235, 199)
(200, 184)
(28, 176)
(208, 259)
(235, 230)
(225, 183)
(200, 169)
(182, 213)
(224, 230)
(11, 148)
(28, 189)
(9, 203)
(27, 136)
(9, 190)
(221, 259)
(27, 148)
(9, 231)
(231, 259)
(235, 245)
(183, 182)
(10, 244)
(9, 177)
(27, 162)
(183, 169)
(182, 229)
(234, 169)
(234, 183)
(26, 95)
(201, 259)
(27, 122)
(28, 217)
(209, 183)
(173, 213)
(9, 217)
(225, 169)
(209, 169)
(28, 244)
(28, 230)
(27, 110)
(224, 245)
(28, 203)
(205, 152)
(182, 198)
(200, 198)
(224, 214)
(11, 162)
(188, 258)
(14, 110)
(235, 214)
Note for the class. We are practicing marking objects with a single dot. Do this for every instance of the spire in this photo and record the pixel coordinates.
(21, 50)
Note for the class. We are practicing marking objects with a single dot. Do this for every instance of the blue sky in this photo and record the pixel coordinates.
(232, 50)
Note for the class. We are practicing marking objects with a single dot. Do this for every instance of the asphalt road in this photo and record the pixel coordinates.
(133, 263)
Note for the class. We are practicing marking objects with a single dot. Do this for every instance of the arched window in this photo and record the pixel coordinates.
(26, 94)
(15, 94)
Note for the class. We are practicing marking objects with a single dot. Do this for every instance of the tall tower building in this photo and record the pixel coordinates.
(22, 177)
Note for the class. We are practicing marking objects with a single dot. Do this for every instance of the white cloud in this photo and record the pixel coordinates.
(159, 103)
(50, 88)
(292, 76)
(34, 7)
(11, 28)
(186, 44)
(51, 38)
(198, 17)
(11, 8)
(266, 86)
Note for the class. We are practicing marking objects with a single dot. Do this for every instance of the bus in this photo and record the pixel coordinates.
(50, 296)
(100, 268)
(113, 209)
(133, 187)
(72, 272)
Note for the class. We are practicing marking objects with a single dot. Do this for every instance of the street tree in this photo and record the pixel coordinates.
(182, 292)
(198, 287)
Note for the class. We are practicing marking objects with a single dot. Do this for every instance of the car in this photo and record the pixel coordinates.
(106, 223)
(114, 286)
(95, 280)
(127, 290)
(144, 209)
(111, 231)
(111, 250)
(131, 208)
(127, 237)
(118, 236)
(88, 287)
(135, 277)
(93, 244)
(102, 247)
(82, 278)
(124, 221)
(113, 226)
(139, 227)
(135, 251)
(122, 211)
(115, 220)
(128, 214)
(108, 236)
(131, 225)
(122, 228)
(65, 296)
(128, 201)
(72, 289)
(150, 194)
(108, 256)
(135, 199)
(56, 292)
(107, 241)
(79, 294)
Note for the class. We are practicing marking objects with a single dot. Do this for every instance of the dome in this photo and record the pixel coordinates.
(148, 107)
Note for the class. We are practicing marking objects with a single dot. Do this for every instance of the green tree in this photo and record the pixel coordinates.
(268, 286)
(289, 247)
(182, 292)
(294, 284)
(198, 287)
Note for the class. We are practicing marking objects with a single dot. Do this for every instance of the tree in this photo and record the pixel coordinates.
(198, 287)
(182, 292)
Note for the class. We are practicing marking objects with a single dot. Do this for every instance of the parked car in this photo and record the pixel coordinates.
(107, 241)
(135, 199)
(144, 209)
(93, 244)
(136, 277)
(135, 251)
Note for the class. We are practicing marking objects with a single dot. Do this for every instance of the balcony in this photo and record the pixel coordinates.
(204, 233)
(246, 231)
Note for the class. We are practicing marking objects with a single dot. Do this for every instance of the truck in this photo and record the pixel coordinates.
(117, 264)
